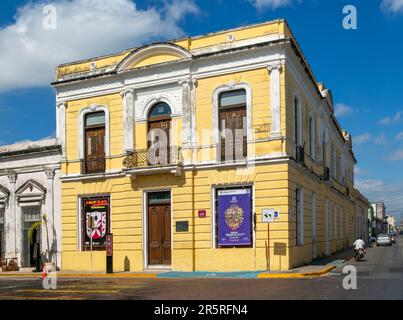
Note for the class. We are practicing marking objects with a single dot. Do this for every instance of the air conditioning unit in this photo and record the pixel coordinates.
(326, 173)
(300, 154)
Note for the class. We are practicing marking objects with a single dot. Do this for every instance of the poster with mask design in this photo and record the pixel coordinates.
(234, 217)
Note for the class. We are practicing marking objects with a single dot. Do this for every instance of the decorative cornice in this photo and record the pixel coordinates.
(124, 92)
(275, 66)
(50, 173)
(188, 81)
(61, 103)
(12, 177)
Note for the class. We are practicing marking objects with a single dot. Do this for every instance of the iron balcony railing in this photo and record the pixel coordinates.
(148, 158)
(93, 164)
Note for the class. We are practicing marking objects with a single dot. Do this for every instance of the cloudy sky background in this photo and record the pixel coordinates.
(363, 67)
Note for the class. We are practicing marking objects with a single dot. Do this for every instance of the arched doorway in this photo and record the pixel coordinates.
(159, 127)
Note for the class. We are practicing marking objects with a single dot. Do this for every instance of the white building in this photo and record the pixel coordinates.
(391, 222)
(30, 188)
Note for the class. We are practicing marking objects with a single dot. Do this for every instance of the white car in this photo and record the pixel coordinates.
(383, 240)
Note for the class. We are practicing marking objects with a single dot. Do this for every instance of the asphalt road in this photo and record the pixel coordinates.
(379, 277)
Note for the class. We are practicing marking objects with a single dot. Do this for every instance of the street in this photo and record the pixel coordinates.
(380, 276)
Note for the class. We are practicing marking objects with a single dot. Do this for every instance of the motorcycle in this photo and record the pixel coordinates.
(359, 254)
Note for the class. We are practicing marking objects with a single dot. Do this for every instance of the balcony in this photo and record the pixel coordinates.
(147, 161)
(92, 165)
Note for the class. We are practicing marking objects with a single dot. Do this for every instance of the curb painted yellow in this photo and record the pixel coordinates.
(296, 275)
(154, 275)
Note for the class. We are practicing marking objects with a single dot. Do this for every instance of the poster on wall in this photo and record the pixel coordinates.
(96, 216)
(234, 217)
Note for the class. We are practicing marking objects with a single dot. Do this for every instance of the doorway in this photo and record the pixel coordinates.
(2, 235)
(31, 244)
(159, 228)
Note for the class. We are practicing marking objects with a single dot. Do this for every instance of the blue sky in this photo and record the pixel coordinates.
(363, 67)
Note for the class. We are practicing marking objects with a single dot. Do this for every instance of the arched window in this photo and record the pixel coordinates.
(159, 128)
(94, 144)
(232, 125)
(161, 109)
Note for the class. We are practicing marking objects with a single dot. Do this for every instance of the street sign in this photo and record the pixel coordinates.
(109, 245)
(269, 215)
(109, 253)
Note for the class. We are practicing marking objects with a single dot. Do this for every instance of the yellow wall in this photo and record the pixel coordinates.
(272, 27)
(274, 184)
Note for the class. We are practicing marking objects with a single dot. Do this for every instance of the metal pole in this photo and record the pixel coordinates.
(268, 247)
(91, 248)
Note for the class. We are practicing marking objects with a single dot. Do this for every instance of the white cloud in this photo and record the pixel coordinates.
(399, 136)
(380, 139)
(379, 190)
(272, 4)
(392, 120)
(392, 6)
(342, 110)
(396, 155)
(85, 28)
(359, 140)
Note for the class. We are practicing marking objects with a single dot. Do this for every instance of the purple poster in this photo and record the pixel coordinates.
(234, 217)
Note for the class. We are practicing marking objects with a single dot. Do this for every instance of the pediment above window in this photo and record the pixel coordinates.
(153, 54)
(31, 192)
(4, 195)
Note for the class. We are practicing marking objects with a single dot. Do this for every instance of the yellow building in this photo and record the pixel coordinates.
(251, 135)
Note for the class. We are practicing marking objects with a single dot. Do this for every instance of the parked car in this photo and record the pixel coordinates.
(383, 239)
(393, 238)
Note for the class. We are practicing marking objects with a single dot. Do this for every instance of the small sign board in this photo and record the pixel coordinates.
(269, 215)
(202, 213)
(182, 226)
(109, 245)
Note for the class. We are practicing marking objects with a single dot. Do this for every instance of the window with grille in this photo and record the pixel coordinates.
(94, 143)
(232, 125)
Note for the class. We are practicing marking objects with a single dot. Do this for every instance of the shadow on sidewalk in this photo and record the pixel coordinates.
(337, 258)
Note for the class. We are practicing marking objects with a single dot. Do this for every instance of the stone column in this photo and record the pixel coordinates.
(193, 113)
(11, 223)
(128, 119)
(61, 126)
(189, 133)
(50, 235)
(187, 113)
(275, 98)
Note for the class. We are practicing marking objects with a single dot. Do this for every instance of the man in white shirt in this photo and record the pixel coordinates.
(359, 244)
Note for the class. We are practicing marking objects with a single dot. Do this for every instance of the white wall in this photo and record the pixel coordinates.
(36, 166)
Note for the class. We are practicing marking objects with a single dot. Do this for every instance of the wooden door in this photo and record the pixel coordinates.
(95, 150)
(163, 153)
(159, 235)
(232, 119)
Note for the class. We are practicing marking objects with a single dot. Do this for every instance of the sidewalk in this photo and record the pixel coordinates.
(316, 268)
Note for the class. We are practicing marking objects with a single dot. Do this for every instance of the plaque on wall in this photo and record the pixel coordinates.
(182, 226)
